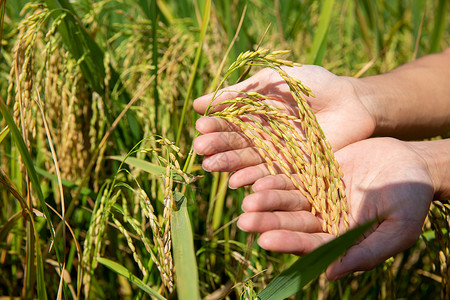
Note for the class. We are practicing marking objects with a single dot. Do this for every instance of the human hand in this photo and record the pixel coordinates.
(342, 116)
(383, 177)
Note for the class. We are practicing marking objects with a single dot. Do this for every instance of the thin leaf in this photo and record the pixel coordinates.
(6, 228)
(2, 17)
(30, 169)
(312, 265)
(166, 11)
(80, 44)
(319, 41)
(41, 282)
(121, 270)
(439, 26)
(146, 166)
(67, 183)
(154, 19)
(418, 16)
(205, 22)
(4, 133)
(186, 270)
(220, 200)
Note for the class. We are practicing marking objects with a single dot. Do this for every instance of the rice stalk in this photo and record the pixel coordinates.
(295, 143)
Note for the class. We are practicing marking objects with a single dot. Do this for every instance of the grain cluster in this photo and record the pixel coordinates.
(292, 144)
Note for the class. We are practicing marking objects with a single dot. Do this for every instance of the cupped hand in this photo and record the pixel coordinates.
(383, 178)
(340, 113)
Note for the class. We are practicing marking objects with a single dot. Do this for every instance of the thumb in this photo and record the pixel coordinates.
(387, 240)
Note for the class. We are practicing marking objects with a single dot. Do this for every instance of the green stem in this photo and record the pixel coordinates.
(205, 21)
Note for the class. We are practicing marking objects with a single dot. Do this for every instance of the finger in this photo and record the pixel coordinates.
(217, 142)
(298, 243)
(276, 200)
(249, 175)
(230, 161)
(213, 124)
(274, 182)
(279, 220)
(387, 240)
(233, 91)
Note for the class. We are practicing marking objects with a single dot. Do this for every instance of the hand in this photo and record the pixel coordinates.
(383, 177)
(340, 113)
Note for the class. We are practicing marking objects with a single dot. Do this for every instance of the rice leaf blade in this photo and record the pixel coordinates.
(183, 251)
(439, 26)
(30, 169)
(40, 278)
(4, 133)
(311, 265)
(80, 44)
(121, 270)
(2, 17)
(67, 183)
(146, 166)
(319, 41)
(220, 200)
(9, 225)
(205, 22)
(321, 51)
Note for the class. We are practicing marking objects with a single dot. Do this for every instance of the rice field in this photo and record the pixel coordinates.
(101, 195)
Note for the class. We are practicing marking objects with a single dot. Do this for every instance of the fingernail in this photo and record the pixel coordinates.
(205, 162)
(240, 227)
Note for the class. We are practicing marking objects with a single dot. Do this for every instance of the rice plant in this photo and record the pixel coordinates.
(101, 196)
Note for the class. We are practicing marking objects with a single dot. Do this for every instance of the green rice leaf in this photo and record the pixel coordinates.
(40, 278)
(205, 22)
(146, 166)
(439, 26)
(186, 270)
(310, 266)
(121, 270)
(4, 133)
(2, 17)
(17, 137)
(319, 42)
(67, 183)
(6, 228)
(80, 44)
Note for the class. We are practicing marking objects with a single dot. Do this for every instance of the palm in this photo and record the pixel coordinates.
(340, 113)
(396, 187)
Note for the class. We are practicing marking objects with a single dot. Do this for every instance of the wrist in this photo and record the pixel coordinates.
(403, 104)
(373, 94)
(364, 95)
(436, 154)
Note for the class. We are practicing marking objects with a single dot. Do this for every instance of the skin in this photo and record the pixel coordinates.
(384, 177)
(398, 188)
(336, 106)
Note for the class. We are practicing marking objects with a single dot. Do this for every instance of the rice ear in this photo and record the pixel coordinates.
(303, 154)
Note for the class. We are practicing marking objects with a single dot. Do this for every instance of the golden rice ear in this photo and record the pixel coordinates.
(295, 142)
